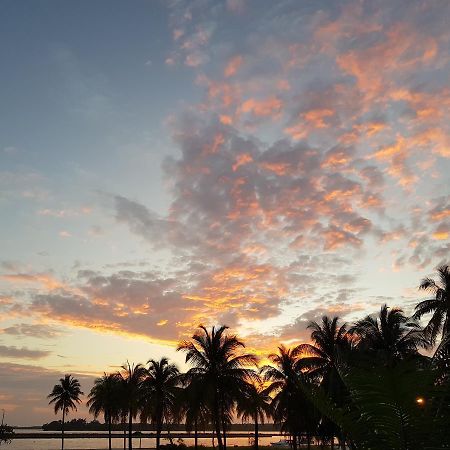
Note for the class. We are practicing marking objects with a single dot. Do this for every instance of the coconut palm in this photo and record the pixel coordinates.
(65, 397)
(193, 405)
(104, 398)
(222, 371)
(330, 343)
(159, 390)
(131, 378)
(254, 405)
(290, 407)
(391, 336)
(438, 305)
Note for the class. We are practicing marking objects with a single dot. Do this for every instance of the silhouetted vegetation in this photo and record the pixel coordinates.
(364, 386)
(65, 397)
(6, 434)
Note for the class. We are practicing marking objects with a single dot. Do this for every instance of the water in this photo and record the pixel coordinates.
(117, 442)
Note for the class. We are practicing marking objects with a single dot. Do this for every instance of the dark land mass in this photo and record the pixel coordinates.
(83, 425)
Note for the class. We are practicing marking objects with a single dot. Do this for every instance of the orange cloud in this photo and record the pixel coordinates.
(317, 117)
(336, 159)
(389, 151)
(276, 167)
(270, 106)
(441, 235)
(45, 280)
(226, 93)
(213, 148)
(440, 215)
(233, 66)
(336, 238)
(371, 128)
(241, 160)
(225, 119)
(297, 131)
(401, 48)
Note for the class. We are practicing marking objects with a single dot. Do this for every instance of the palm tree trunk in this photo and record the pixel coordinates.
(256, 432)
(218, 433)
(109, 431)
(195, 434)
(62, 428)
(124, 435)
(294, 441)
(224, 433)
(130, 431)
(158, 432)
(217, 422)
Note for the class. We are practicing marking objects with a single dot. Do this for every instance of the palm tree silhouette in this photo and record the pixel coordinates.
(104, 398)
(220, 368)
(159, 391)
(438, 305)
(254, 404)
(331, 343)
(329, 340)
(391, 336)
(290, 407)
(65, 396)
(193, 405)
(131, 378)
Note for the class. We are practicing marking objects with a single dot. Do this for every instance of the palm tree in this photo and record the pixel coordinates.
(330, 343)
(254, 405)
(383, 410)
(104, 398)
(221, 370)
(132, 377)
(290, 407)
(193, 405)
(159, 390)
(391, 336)
(65, 396)
(439, 305)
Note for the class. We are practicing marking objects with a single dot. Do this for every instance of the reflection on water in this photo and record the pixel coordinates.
(117, 442)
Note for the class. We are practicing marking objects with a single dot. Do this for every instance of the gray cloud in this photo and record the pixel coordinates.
(40, 331)
(24, 389)
(21, 353)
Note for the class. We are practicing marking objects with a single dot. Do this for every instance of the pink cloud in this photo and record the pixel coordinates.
(232, 66)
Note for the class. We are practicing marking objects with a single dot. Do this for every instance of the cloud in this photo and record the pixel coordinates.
(233, 66)
(24, 391)
(44, 279)
(319, 145)
(62, 213)
(41, 331)
(21, 353)
(270, 106)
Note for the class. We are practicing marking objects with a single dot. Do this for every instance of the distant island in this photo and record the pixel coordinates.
(95, 425)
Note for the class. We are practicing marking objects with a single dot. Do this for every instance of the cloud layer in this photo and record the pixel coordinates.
(316, 159)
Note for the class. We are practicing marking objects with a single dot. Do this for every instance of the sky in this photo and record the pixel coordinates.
(165, 164)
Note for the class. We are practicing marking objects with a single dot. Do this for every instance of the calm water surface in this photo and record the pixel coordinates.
(117, 442)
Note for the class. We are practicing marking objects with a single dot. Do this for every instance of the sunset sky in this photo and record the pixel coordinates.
(253, 163)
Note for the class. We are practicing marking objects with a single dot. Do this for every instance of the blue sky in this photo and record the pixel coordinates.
(253, 163)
